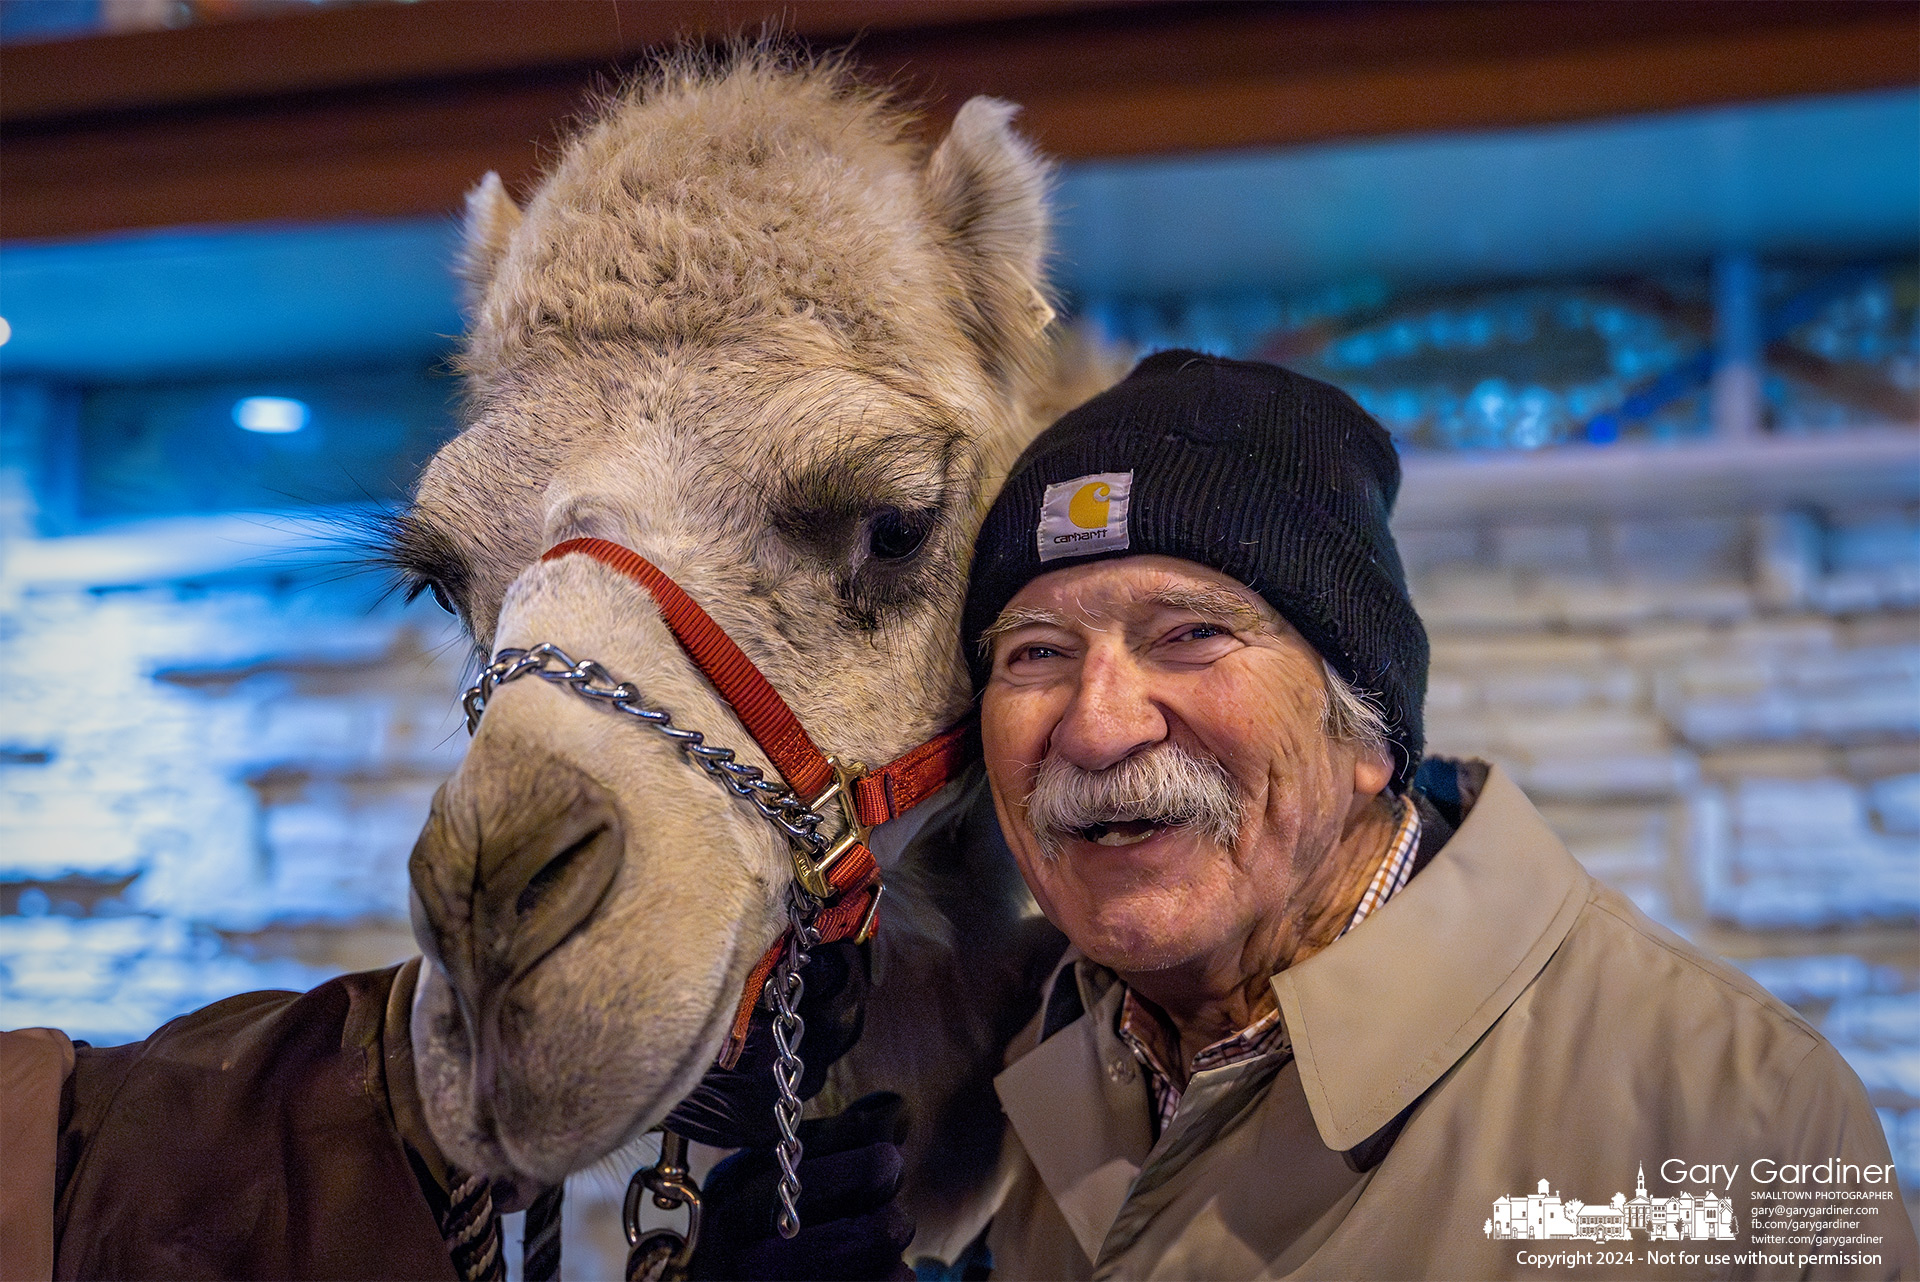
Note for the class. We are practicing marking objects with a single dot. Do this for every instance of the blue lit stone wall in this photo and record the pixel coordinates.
(208, 787)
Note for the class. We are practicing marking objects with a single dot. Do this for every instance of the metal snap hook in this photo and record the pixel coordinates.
(662, 1255)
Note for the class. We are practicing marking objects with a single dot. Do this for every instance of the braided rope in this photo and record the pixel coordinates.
(471, 1231)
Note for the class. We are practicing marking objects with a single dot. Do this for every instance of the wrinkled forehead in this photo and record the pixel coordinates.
(1101, 595)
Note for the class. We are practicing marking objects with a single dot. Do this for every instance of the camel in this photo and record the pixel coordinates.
(750, 328)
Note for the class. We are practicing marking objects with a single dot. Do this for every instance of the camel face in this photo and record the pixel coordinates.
(748, 329)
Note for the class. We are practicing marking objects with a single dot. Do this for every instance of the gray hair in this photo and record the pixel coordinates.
(1353, 717)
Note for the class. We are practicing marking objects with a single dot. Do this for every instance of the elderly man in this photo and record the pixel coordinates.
(1329, 1012)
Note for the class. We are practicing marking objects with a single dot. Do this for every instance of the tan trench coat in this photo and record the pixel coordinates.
(1521, 1024)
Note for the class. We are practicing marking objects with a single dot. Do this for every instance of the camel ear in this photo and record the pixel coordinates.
(987, 189)
(490, 222)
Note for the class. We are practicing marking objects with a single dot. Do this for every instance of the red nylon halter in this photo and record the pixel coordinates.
(878, 795)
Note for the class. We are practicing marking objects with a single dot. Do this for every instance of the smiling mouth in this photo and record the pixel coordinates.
(1125, 832)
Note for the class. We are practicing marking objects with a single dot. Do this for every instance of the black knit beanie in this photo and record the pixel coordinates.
(1270, 477)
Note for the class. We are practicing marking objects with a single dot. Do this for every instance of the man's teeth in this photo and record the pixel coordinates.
(1128, 833)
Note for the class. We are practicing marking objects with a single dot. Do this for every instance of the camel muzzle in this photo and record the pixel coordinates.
(517, 853)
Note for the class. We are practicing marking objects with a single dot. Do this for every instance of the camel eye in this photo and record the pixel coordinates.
(440, 597)
(893, 535)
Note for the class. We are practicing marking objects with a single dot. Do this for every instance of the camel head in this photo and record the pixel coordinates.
(751, 329)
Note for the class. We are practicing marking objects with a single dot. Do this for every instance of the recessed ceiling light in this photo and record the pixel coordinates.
(273, 414)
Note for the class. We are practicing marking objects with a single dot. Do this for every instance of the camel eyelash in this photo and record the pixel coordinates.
(421, 557)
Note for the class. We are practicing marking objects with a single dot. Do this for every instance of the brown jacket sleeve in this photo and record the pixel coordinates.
(251, 1139)
(34, 1064)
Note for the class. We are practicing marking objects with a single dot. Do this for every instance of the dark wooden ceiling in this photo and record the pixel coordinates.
(396, 109)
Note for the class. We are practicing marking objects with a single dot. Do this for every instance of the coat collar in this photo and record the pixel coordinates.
(1383, 1012)
(1077, 1103)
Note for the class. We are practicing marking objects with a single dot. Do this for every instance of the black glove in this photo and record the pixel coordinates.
(850, 1227)
(733, 1107)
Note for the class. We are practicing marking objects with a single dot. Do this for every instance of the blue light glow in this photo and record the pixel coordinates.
(1834, 175)
(276, 415)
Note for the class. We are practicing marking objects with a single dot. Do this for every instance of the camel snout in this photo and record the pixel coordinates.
(517, 853)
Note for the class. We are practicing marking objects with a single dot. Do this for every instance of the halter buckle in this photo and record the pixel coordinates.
(812, 873)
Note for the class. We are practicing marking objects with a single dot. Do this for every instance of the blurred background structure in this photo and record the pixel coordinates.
(1635, 286)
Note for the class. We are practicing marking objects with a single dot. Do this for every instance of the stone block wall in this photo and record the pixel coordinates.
(210, 786)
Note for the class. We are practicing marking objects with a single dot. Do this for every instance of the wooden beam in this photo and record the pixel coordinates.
(1478, 89)
(395, 110)
(384, 44)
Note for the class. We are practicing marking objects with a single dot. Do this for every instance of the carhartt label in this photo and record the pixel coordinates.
(1085, 515)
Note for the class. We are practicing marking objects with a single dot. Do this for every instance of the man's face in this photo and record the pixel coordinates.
(1154, 740)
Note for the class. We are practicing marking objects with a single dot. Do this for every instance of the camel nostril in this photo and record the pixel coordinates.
(536, 883)
(516, 856)
(550, 879)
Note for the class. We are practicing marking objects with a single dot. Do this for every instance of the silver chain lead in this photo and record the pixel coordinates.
(778, 805)
(786, 987)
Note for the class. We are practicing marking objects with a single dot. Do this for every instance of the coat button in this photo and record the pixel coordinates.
(1120, 1069)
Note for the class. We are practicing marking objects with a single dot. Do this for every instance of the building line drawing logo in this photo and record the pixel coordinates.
(1541, 1216)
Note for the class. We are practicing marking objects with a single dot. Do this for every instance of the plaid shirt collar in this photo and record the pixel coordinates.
(1151, 1043)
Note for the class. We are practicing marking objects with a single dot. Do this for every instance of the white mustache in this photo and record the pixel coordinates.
(1168, 785)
